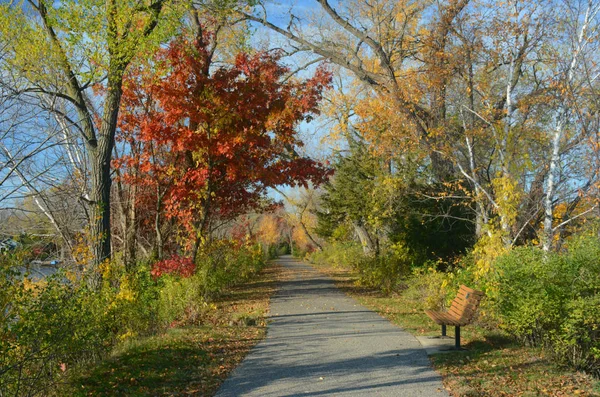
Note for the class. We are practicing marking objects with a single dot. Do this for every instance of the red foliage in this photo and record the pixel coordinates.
(216, 140)
(176, 264)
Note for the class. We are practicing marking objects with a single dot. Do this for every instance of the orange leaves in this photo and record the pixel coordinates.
(390, 131)
(215, 138)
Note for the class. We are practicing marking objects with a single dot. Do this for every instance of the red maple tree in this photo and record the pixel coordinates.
(216, 138)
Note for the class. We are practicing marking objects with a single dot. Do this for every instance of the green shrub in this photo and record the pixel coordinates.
(428, 289)
(552, 300)
(276, 250)
(302, 251)
(578, 338)
(47, 328)
(528, 299)
(180, 300)
(60, 323)
(224, 264)
(338, 254)
(385, 271)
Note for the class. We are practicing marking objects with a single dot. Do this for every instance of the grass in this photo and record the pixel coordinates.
(186, 361)
(493, 365)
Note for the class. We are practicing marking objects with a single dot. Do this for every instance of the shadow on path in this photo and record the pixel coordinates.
(322, 342)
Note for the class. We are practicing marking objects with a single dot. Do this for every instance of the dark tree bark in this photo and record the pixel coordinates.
(100, 142)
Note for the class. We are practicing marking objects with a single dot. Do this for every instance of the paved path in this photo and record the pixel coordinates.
(322, 343)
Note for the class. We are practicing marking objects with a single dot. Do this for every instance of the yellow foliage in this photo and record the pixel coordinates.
(81, 250)
(300, 238)
(268, 229)
(508, 197)
(30, 285)
(126, 292)
(389, 131)
(489, 247)
(127, 335)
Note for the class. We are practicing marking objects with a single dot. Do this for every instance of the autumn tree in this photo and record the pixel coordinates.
(383, 45)
(302, 209)
(230, 131)
(581, 31)
(465, 89)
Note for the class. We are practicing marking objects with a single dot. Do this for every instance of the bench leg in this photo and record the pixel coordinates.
(457, 338)
(443, 329)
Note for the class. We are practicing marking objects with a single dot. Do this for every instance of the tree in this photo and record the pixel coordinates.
(466, 90)
(230, 131)
(386, 45)
(35, 169)
(349, 198)
(63, 49)
(303, 214)
(582, 31)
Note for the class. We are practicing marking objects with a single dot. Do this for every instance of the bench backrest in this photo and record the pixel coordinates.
(465, 304)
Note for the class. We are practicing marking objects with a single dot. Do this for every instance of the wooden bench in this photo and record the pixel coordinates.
(461, 312)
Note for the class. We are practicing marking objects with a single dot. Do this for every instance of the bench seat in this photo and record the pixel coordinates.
(461, 312)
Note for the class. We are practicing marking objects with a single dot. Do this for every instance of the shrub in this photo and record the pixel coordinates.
(276, 250)
(176, 264)
(428, 288)
(385, 271)
(338, 254)
(552, 300)
(134, 302)
(528, 300)
(224, 263)
(180, 300)
(183, 297)
(578, 339)
(47, 328)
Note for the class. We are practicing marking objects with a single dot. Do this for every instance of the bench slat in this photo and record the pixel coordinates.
(464, 303)
(462, 314)
(461, 311)
(472, 291)
(441, 318)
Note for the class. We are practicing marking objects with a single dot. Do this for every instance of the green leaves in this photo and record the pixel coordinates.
(548, 300)
(94, 35)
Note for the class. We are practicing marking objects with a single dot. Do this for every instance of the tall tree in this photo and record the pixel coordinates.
(387, 44)
(582, 29)
(61, 49)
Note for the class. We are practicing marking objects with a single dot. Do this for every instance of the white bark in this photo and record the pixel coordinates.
(481, 216)
(561, 121)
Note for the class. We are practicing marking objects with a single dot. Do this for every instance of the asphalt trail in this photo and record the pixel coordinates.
(321, 342)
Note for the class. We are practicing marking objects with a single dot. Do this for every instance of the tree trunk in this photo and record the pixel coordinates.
(291, 240)
(101, 158)
(563, 114)
(365, 239)
(131, 231)
(158, 248)
(549, 200)
(319, 247)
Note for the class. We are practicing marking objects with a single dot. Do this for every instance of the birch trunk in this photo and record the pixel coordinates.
(561, 122)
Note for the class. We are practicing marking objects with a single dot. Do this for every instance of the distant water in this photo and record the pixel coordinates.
(38, 272)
